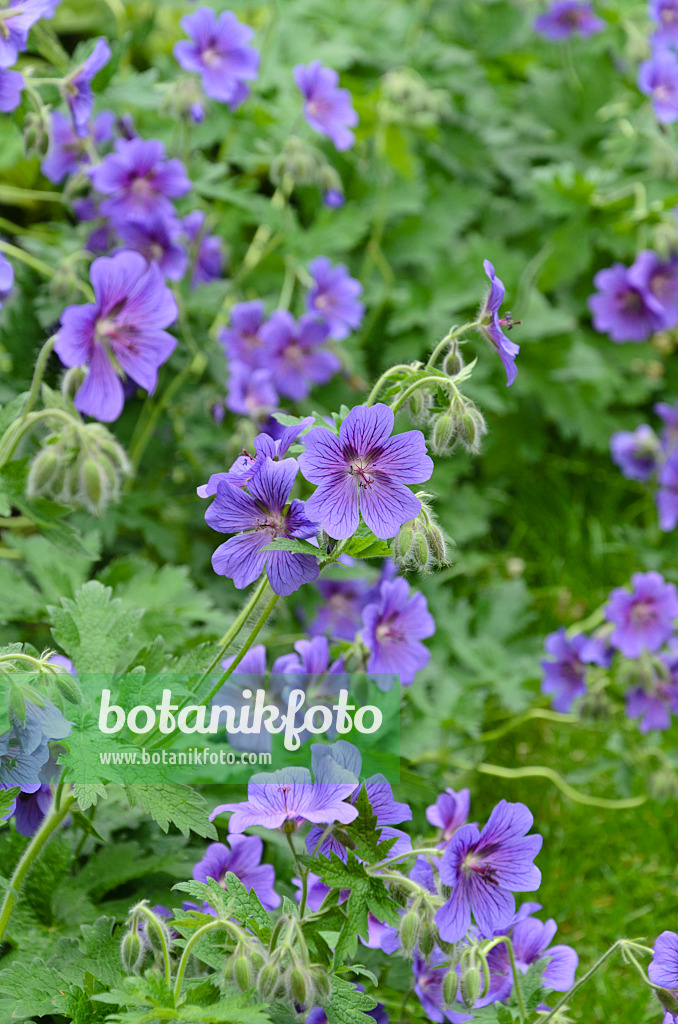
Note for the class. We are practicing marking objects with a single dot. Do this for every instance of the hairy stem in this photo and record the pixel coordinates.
(582, 981)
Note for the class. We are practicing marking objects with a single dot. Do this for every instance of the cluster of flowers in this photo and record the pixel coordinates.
(632, 303)
(26, 760)
(643, 455)
(463, 889)
(281, 356)
(658, 76)
(637, 644)
(567, 18)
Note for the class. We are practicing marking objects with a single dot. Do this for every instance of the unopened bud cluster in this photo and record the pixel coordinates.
(462, 423)
(80, 464)
(406, 99)
(303, 164)
(420, 543)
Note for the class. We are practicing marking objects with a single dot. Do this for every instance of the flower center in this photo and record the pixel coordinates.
(473, 863)
(631, 302)
(360, 467)
(642, 613)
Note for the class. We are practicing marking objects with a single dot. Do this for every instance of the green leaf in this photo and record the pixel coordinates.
(180, 805)
(347, 1005)
(365, 834)
(94, 629)
(300, 547)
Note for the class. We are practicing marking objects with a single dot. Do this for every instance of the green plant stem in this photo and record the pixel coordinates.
(16, 430)
(303, 874)
(455, 332)
(50, 823)
(582, 981)
(183, 963)
(400, 368)
(38, 373)
(233, 631)
(543, 714)
(422, 382)
(153, 923)
(256, 629)
(39, 265)
(405, 856)
(514, 971)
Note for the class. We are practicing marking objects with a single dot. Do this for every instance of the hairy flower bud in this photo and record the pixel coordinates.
(268, 982)
(43, 471)
(299, 985)
(420, 551)
(443, 434)
(403, 544)
(427, 936)
(131, 951)
(243, 973)
(409, 931)
(72, 381)
(453, 362)
(321, 984)
(450, 986)
(68, 687)
(470, 986)
(471, 428)
(93, 486)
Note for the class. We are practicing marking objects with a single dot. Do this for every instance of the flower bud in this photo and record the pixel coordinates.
(93, 488)
(437, 545)
(68, 687)
(268, 981)
(470, 986)
(44, 469)
(427, 938)
(36, 132)
(453, 363)
(403, 544)
(321, 985)
(420, 550)
(450, 987)
(442, 437)
(242, 973)
(72, 381)
(409, 931)
(471, 428)
(131, 951)
(663, 784)
(17, 702)
(419, 406)
(299, 987)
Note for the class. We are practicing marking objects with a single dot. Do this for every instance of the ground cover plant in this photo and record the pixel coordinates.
(337, 355)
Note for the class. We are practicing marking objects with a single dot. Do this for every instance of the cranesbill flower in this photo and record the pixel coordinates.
(393, 628)
(11, 86)
(658, 278)
(566, 18)
(665, 13)
(666, 497)
(663, 970)
(242, 857)
(6, 279)
(246, 465)
(296, 353)
(365, 470)
(334, 297)
(121, 332)
(565, 676)
(492, 323)
(287, 798)
(250, 392)
(327, 108)
(67, 152)
(31, 808)
(644, 618)
(622, 309)
(18, 18)
(242, 339)
(220, 53)
(157, 239)
(77, 87)
(654, 706)
(208, 250)
(486, 868)
(339, 614)
(449, 812)
(636, 452)
(262, 517)
(531, 940)
(138, 180)
(658, 78)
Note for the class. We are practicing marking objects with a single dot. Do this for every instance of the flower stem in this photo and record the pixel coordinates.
(455, 332)
(405, 856)
(400, 368)
(141, 909)
(232, 632)
(183, 963)
(582, 981)
(439, 378)
(256, 629)
(50, 823)
(34, 263)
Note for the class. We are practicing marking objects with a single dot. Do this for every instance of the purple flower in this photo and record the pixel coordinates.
(11, 86)
(654, 707)
(208, 250)
(67, 151)
(658, 78)
(565, 677)
(157, 239)
(644, 618)
(6, 279)
(636, 452)
(295, 353)
(365, 470)
(658, 278)
(123, 328)
(392, 630)
(250, 392)
(449, 812)
(220, 53)
(333, 199)
(486, 868)
(31, 808)
(261, 514)
(340, 612)
(622, 308)
(492, 324)
(666, 497)
(327, 108)
(77, 87)
(246, 465)
(243, 340)
(669, 416)
(16, 26)
(665, 13)
(138, 180)
(429, 977)
(242, 856)
(663, 970)
(566, 18)
(334, 297)
(531, 940)
(289, 795)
